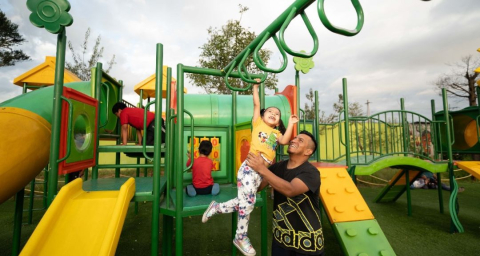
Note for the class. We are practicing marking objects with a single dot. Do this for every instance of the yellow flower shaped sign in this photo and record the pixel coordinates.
(303, 64)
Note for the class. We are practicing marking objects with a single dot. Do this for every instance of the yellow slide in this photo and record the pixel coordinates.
(472, 167)
(82, 223)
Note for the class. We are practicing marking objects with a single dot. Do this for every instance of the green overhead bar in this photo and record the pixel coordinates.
(280, 25)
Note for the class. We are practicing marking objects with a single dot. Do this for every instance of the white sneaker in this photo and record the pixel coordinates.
(244, 246)
(209, 212)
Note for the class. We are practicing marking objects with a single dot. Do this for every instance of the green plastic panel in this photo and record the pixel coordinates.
(363, 238)
(41, 101)
(83, 129)
(403, 162)
(222, 175)
(461, 119)
(212, 109)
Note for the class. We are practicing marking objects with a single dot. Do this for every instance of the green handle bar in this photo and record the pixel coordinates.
(303, 120)
(338, 30)
(245, 79)
(191, 143)
(107, 115)
(451, 130)
(310, 30)
(69, 129)
(258, 60)
(340, 128)
(144, 141)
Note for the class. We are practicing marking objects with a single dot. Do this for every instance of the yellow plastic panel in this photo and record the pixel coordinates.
(24, 149)
(242, 146)
(82, 223)
(472, 167)
(341, 198)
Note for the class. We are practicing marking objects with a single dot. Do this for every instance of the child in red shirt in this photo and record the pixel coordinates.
(202, 172)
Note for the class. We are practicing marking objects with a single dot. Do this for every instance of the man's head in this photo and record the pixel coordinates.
(304, 144)
(117, 108)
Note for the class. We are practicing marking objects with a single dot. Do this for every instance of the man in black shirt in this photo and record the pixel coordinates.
(297, 229)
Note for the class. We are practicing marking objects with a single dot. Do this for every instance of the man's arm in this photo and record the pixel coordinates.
(124, 134)
(289, 189)
(139, 137)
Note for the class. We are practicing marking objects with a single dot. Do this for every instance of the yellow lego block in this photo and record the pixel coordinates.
(341, 198)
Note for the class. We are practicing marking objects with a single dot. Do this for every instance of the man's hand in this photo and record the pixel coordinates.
(256, 162)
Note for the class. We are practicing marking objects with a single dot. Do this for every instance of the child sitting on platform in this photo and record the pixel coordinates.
(202, 172)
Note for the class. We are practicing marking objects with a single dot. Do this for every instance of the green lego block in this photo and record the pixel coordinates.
(363, 238)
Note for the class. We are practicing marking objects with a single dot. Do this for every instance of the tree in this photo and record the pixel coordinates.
(310, 110)
(223, 46)
(9, 37)
(81, 68)
(354, 108)
(460, 81)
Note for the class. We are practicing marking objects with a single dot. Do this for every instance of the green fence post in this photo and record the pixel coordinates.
(157, 149)
(439, 177)
(455, 224)
(178, 163)
(17, 228)
(316, 125)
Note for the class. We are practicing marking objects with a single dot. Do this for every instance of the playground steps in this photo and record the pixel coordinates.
(355, 226)
(143, 186)
(82, 223)
(396, 186)
(472, 167)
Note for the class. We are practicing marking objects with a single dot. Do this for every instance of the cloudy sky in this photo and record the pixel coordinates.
(403, 47)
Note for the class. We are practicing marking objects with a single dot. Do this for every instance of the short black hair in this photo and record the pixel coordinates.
(311, 137)
(118, 106)
(205, 147)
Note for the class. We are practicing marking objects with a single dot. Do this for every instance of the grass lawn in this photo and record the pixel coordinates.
(425, 233)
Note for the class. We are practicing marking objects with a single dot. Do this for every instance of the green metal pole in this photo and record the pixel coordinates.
(316, 123)
(233, 149)
(157, 149)
(446, 117)
(98, 92)
(119, 127)
(347, 125)
(56, 115)
(178, 163)
(405, 149)
(439, 177)
(17, 227)
(31, 197)
(297, 83)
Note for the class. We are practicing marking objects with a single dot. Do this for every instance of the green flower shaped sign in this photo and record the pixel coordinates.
(51, 14)
(303, 64)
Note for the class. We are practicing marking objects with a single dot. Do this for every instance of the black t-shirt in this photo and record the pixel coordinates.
(296, 220)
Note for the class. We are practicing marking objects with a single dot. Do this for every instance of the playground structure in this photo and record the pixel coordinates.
(366, 144)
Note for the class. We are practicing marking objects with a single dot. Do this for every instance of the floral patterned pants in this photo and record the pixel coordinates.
(248, 181)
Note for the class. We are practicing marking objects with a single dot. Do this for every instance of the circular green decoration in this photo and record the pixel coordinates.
(51, 14)
(303, 64)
